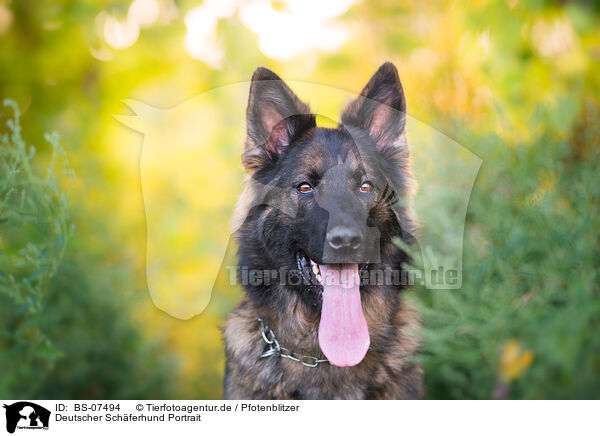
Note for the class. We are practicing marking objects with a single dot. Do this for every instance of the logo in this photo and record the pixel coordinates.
(26, 415)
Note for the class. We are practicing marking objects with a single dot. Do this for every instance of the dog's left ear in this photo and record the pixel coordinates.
(380, 109)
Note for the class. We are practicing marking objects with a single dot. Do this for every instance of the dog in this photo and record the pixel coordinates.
(321, 215)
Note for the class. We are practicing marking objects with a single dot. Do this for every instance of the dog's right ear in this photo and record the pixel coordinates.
(274, 118)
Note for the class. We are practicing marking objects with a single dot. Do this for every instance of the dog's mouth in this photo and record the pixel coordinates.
(343, 332)
(310, 271)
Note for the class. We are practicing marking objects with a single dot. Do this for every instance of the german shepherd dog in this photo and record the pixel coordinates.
(319, 216)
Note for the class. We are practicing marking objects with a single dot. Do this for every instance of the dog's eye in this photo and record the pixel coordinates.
(304, 188)
(366, 187)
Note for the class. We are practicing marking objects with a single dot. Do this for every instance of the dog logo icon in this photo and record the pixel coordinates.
(26, 415)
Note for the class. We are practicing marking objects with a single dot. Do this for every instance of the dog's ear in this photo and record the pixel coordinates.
(380, 109)
(274, 118)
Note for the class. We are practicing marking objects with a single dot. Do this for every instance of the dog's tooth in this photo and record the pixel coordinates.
(315, 269)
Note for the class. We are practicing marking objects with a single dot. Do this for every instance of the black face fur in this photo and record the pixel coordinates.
(310, 182)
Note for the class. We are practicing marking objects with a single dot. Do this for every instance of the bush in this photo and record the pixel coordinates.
(66, 327)
(525, 323)
(34, 228)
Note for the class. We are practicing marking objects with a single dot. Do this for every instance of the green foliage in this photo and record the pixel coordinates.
(65, 329)
(34, 228)
(89, 318)
(525, 323)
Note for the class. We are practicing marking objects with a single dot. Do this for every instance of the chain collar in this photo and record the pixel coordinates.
(277, 350)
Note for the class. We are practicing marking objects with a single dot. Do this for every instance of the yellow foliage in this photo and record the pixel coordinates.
(513, 360)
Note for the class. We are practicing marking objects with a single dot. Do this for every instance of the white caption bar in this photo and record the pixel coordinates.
(299, 417)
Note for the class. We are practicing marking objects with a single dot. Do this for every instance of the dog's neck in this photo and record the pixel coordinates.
(294, 323)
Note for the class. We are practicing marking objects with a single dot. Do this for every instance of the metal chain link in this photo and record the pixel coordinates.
(277, 350)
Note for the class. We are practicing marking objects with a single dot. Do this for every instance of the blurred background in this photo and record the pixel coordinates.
(515, 82)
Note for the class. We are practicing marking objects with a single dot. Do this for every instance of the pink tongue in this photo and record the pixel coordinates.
(343, 332)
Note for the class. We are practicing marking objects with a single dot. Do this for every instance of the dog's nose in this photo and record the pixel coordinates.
(342, 237)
